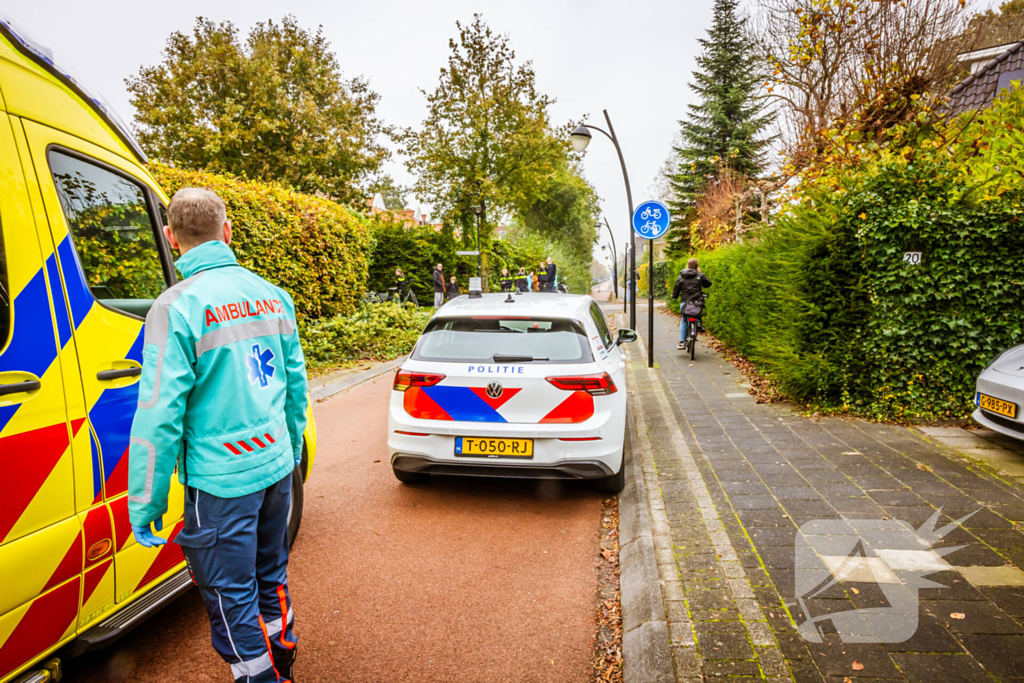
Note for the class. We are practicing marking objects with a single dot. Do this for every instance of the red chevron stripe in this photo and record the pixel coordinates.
(42, 626)
(117, 481)
(258, 442)
(27, 460)
(93, 577)
(418, 404)
(70, 566)
(269, 438)
(579, 407)
(122, 526)
(233, 449)
(247, 447)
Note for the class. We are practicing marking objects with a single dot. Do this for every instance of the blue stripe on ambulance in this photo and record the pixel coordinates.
(29, 351)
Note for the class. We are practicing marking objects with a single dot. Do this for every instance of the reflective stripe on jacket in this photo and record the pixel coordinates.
(223, 383)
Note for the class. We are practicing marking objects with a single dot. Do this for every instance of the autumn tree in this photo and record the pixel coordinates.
(724, 128)
(829, 59)
(274, 107)
(487, 139)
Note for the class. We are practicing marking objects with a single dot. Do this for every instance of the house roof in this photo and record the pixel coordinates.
(980, 88)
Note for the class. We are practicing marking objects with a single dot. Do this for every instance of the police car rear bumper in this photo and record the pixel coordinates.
(563, 469)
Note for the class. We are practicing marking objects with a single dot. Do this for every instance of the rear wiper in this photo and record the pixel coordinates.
(501, 358)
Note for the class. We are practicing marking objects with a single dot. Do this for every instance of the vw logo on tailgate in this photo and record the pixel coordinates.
(494, 390)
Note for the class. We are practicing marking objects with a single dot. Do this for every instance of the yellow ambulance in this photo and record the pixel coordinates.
(82, 258)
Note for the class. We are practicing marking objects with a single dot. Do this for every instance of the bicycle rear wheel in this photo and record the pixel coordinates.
(693, 345)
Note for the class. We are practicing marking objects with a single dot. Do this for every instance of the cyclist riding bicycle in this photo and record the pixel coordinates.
(689, 289)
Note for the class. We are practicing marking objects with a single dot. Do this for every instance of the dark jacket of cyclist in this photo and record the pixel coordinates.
(690, 285)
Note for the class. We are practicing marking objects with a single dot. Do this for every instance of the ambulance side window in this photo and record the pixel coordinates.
(113, 233)
(5, 296)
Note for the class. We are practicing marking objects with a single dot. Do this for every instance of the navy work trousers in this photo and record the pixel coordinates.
(237, 552)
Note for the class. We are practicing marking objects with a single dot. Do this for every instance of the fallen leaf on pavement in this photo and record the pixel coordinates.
(957, 615)
(857, 666)
(847, 679)
(855, 591)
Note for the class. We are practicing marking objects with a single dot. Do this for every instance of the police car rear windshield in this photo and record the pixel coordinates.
(517, 339)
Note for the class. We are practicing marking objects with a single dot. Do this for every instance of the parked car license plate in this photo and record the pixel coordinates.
(494, 448)
(997, 405)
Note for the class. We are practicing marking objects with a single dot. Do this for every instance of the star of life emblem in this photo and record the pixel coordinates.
(260, 368)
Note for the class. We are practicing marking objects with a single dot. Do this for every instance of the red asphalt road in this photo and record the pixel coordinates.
(457, 580)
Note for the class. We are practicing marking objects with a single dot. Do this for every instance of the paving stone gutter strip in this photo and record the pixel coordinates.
(645, 646)
(321, 392)
(704, 646)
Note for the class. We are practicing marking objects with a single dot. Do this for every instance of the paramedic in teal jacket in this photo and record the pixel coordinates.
(223, 397)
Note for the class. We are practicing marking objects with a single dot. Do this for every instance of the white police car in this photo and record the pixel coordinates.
(523, 385)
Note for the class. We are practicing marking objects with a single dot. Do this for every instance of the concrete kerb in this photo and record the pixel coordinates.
(646, 655)
(326, 391)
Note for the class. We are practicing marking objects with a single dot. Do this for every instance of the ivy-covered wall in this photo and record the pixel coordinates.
(824, 302)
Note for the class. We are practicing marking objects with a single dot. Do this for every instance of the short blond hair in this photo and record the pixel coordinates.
(196, 216)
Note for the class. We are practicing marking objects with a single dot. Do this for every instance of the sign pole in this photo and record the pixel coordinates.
(650, 303)
(650, 221)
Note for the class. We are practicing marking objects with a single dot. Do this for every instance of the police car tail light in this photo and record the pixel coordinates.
(595, 385)
(407, 379)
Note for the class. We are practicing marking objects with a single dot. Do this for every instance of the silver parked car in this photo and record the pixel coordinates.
(1000, 394)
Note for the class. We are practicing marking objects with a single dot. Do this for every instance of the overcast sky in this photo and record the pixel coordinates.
(633, 59)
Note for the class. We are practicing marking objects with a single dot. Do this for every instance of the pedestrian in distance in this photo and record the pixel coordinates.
(534, 284)
(522, 281)
(438, 275)
(212, 378)
(552, 274)
(403, 289)
(542, 277)
(506, 280)
(689, 288)
(453, 289)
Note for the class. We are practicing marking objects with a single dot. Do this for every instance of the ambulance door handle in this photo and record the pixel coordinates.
(118, 374)
(20, 387)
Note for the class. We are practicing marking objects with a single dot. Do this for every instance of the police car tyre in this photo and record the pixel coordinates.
(614, 483)
(410, 477)
(295, 506)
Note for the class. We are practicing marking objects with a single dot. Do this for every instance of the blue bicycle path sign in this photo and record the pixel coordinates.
(651, 220)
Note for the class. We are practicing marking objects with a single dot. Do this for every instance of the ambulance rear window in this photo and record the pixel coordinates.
(480, 339)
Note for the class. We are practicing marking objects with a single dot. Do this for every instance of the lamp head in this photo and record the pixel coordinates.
(478, 210)
(580, 138)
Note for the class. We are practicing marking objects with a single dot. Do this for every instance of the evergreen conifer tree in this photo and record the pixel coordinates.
(724, 128)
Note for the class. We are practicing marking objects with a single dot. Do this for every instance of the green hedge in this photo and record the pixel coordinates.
(313, 248)
(823, 302)
(374, 332)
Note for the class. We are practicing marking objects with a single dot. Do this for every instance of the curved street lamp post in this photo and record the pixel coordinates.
(615, 257)
(580, 138)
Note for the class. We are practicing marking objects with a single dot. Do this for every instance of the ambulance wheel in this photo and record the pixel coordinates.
(410, 477)
(295, 506)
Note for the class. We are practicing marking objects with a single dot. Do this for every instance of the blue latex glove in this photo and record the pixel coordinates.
(298, 461)
(146, 537)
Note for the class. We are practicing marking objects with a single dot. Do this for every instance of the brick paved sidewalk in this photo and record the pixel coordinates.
(731, 481)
